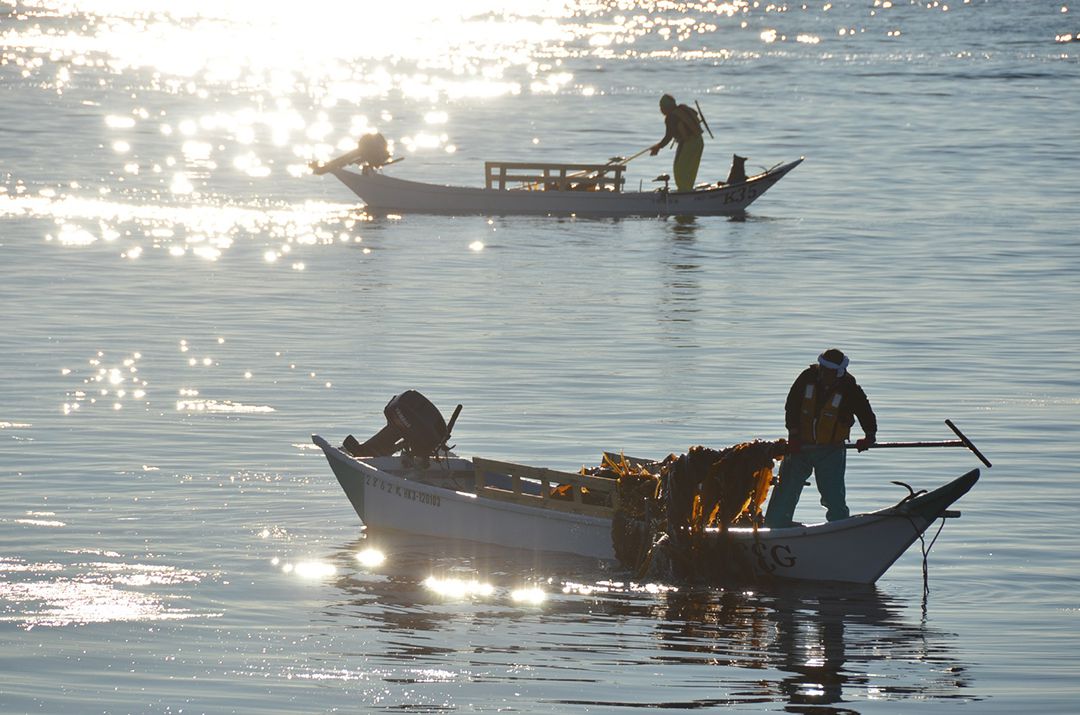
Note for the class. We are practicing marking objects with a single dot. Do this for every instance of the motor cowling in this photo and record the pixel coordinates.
(374, 151)
(413, 424)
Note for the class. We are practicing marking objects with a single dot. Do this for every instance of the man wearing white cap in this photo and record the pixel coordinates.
(822, 405)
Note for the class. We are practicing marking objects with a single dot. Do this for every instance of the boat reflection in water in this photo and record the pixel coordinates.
(816, 647)
(573, 635)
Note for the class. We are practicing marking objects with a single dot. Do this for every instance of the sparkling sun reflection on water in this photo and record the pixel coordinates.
(197, 101)
(158, 178)
(206, 231)
(96, 591)
(304, 85)
(228, 42)
(458, 588)
(370, 558)
(115, 383)
(287, 67)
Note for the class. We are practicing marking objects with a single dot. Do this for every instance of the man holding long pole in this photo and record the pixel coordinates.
(683, 125)
(822, 405)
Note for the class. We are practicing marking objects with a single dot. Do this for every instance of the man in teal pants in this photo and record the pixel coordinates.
(683, 125)
(822, 405)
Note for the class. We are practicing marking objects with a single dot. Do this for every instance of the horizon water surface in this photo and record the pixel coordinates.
(184, 304)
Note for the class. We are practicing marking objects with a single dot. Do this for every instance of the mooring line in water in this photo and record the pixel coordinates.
(926, 551)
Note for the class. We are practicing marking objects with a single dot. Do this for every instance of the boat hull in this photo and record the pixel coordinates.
(384, 500)
(386, 194)
(855, 550)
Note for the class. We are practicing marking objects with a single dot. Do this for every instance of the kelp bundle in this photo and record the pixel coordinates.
(664, 508)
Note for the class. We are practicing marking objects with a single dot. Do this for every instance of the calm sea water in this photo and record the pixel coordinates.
(183, 304)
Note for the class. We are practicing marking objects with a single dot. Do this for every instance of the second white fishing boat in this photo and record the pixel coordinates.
(559, 189)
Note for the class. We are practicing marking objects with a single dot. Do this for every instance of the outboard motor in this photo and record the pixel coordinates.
(413, 424)
(374, 152)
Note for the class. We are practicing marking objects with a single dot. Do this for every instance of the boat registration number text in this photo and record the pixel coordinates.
(396, 490)
(769, 558)
(746, 193)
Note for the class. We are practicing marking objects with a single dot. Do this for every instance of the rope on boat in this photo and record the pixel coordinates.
(768, 169)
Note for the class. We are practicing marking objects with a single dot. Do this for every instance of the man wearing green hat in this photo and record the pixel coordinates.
(684, 126)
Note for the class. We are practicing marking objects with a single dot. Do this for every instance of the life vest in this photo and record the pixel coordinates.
(686, 123)
(822, 427)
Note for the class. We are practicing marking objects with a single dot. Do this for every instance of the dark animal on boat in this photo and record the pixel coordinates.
(737, 175)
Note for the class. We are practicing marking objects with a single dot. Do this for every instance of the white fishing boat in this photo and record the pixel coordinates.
(412, 482)
(559, 189)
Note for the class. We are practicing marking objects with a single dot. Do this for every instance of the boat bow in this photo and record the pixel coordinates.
(931, 505)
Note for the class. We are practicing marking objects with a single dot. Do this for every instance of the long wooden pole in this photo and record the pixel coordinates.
(702, 115)
(611, 162)
(886, 445)
(962, 442)
(635, 156)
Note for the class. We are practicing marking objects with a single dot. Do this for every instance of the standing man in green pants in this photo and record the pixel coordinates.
(822, 405)
(684, 126)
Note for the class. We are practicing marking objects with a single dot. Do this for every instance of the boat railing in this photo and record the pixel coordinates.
(553, 177)
(596, 488)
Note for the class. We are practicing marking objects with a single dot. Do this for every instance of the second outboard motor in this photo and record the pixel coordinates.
(412, 424)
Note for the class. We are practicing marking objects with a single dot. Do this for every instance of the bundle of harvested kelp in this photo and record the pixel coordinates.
(664, 508)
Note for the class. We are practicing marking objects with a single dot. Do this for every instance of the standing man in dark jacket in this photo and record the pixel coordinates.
(821, 407)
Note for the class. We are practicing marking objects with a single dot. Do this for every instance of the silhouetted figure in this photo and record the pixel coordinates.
(684, 127)
(821, 407)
